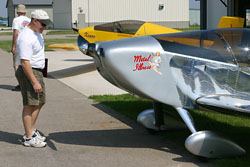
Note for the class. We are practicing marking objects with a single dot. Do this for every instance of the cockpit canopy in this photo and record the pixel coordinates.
(230, 45)
(125, 26)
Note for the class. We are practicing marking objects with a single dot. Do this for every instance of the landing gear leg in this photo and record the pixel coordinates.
(159, 117)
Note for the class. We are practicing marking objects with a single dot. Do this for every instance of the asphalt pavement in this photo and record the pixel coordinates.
(79, 132)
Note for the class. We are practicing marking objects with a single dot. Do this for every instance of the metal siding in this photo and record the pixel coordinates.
(62, 14)
(174, 14)
(77, 8)
(103, 11)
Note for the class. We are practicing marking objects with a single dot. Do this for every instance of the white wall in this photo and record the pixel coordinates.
(147, 10)
(174, 14)
(78, 7)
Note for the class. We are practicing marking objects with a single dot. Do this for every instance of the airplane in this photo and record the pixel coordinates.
(117, 30)
(131, 28)
(186, 70)
(128, 29)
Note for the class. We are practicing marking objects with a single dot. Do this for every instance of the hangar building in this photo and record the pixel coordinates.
(84, 13)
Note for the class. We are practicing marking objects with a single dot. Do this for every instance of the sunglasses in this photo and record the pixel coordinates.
(44, 25)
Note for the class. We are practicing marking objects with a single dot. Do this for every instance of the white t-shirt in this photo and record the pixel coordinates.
(30, 46)
(20, 22)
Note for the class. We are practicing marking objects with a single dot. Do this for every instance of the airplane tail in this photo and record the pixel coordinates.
(231, 22)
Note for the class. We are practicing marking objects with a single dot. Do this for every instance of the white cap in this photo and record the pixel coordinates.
(42, 16)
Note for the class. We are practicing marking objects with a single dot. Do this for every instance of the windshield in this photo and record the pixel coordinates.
(127, 26)
(239, 40)
(202, 44)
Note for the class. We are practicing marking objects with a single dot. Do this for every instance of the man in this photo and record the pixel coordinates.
(17, 25)
(31, 61)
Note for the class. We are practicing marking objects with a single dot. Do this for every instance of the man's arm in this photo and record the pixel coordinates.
(29, 73)
(14, 38)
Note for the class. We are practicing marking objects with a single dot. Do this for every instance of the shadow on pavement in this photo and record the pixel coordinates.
(72, 71)
(7, 87)
(12, 138)
(122, 138)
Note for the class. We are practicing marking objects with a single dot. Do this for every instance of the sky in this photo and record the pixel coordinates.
(3, 9)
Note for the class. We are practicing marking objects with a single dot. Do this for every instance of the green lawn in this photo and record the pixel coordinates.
(5, 33)
(237, 128)
(6, 45)
(60, 32)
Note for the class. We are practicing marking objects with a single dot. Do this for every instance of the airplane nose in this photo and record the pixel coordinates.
(82, 44)
(98, 55)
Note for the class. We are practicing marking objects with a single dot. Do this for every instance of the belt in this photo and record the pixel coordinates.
(38, 69)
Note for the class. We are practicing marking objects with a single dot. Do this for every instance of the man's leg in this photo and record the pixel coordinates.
(27, 119)
(35, 115)
(29, 112)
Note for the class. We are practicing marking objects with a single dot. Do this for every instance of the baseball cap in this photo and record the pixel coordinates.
(42, 16)
(21, 8)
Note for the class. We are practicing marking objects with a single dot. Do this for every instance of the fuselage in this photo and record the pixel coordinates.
(185, 69)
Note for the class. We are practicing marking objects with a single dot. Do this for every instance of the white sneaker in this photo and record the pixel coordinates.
(37, 135)
(34, 142)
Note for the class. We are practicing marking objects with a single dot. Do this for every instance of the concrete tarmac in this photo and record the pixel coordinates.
(79, 131)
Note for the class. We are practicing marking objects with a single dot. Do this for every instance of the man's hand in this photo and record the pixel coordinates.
(37, 87)
(13, 50)
(14, 38)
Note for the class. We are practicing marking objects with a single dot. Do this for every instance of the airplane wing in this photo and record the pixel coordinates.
(235, 104)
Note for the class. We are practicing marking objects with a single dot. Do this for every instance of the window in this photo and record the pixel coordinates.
(127, 26)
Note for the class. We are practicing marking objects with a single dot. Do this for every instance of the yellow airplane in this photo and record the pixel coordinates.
(122, 29)
(113, 31)
(128, 29)
(118, 30)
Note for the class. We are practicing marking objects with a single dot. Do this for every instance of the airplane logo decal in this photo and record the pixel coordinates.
(155, 62)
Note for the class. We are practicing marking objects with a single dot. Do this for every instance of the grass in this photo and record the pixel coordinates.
(5, 33)
(6, 45)
(61, 32)
(236, 128)
(53, 32)
(191, 28)
(53, 41)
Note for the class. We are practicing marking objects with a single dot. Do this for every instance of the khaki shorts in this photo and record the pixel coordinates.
(30, 97)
